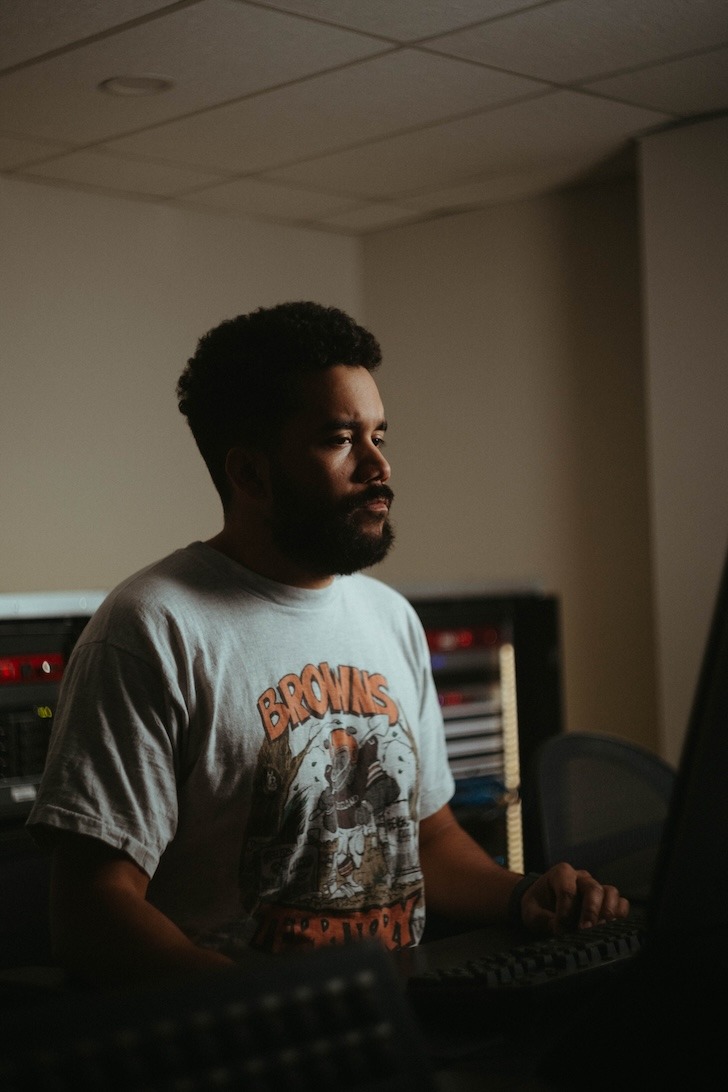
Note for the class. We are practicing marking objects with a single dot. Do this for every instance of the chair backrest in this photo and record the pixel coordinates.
(599, 802)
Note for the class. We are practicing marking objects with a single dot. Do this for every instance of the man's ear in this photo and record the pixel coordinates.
(247, 470)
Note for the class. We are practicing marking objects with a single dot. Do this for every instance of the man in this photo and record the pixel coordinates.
(249, 752)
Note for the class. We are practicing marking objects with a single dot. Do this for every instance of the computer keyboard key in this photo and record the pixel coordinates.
(535, 971)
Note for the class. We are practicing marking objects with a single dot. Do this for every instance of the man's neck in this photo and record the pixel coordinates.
(265, 560)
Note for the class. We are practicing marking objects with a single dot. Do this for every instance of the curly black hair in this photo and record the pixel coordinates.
(244, 375)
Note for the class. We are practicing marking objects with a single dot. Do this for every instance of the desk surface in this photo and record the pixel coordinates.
(477, 1050)
(502, 1043)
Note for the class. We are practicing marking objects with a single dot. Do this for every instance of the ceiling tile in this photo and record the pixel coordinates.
(328, 112)
(570, 40)
(256, 198)
(370, 99)
(492, 190)
(559, 127)
(16, 150)
(688, 87)
(214, 51)
(370, 217)
(109, 172)
(30, 28)
(403, 20)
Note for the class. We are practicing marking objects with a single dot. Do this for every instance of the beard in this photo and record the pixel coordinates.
(326, 537)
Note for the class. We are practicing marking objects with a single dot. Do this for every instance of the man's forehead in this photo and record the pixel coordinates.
(341, 393)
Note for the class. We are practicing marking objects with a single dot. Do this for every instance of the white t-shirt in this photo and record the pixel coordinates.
(264, 753)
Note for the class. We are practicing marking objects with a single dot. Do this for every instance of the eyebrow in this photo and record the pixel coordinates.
(351, 423)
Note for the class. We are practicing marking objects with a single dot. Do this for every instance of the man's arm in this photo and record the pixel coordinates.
(463, 882)
(104, 931)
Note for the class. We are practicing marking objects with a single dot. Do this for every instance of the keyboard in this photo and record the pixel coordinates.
(325, 1021)
(535, 971)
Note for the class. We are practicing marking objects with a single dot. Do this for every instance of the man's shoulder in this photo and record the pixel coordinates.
(379, 594)
(156, 590)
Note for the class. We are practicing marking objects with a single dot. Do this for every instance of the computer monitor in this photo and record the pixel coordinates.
(690, 890)
(663, 1023)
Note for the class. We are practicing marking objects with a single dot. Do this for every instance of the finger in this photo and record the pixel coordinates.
(614, 905)
(566, 906)
(592, 900)
(600, 903)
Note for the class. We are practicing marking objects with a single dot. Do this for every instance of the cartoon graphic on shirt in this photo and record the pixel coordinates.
(357, 794)
(330, 849)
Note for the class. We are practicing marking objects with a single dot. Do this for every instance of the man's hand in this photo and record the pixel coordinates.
(567, 898)
(463, 882)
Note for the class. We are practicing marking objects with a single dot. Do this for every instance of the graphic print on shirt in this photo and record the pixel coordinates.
(330, 850)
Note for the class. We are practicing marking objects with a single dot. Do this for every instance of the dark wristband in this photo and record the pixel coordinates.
(516, 897)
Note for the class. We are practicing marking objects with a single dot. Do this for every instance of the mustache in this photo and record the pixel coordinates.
(374, 492)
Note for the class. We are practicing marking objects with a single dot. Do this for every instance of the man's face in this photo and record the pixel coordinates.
(329, 497)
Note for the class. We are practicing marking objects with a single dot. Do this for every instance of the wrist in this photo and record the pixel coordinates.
(516, 897)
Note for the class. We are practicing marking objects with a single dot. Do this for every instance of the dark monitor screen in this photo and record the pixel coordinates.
(690, 891)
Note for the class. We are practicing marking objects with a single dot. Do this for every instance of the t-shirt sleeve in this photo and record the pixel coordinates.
(110, 769)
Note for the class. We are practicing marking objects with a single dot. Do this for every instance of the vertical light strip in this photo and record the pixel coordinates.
(511, 759)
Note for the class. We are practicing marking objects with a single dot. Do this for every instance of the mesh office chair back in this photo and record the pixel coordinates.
(600, 803)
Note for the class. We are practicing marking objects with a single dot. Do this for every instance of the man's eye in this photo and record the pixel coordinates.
(379, 441)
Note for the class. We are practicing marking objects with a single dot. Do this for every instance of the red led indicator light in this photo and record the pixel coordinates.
(465, 637)
(31, 668)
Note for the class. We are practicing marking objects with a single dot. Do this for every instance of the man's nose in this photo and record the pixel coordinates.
(373, 466)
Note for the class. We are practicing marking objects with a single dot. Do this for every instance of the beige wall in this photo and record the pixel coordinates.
(103, 301)
(514, 386)
(684, 188)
